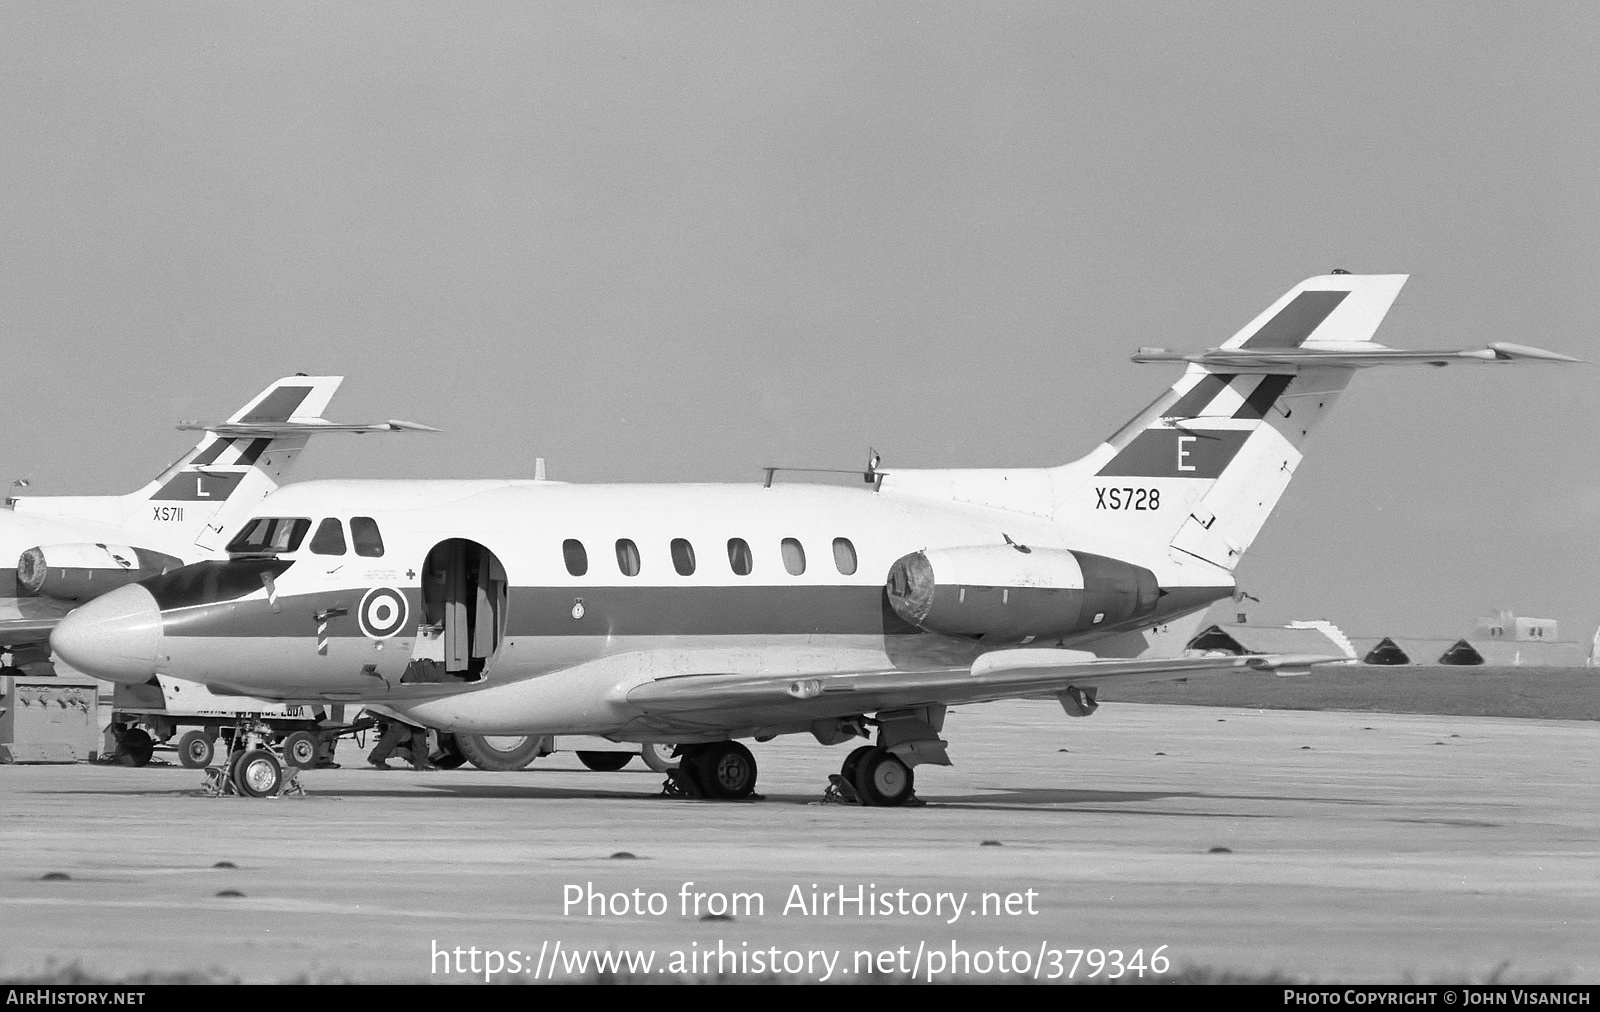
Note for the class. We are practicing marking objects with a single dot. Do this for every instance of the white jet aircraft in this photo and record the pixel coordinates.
(702, 614)
(65, 550)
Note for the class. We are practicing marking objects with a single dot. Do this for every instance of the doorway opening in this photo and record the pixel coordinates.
(464, 597)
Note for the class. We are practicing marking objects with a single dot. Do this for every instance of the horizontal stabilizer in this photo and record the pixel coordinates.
(306, 426)
(293, 406)
(1351, 355)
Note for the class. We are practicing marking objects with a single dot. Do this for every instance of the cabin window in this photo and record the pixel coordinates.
(270, 535)
(577, 558)
(329, 539)
(844, 556)
(739, 556)
(368, 541)
(794, 557)
(682, 557)
(627, 557)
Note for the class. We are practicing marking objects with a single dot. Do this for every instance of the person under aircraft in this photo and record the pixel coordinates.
(396, 736)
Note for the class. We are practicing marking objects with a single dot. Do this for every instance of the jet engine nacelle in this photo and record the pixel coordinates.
(78, 572)
(1014, 593)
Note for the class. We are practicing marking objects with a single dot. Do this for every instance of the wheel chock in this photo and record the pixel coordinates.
(217, 782)
(682, 783)
(840, 792)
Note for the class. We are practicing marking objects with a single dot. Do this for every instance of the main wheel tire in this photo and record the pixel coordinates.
(727, 770)
(658, 757)
(852, 762)
(300, 750)
(605, 762)
(196, 749)
(257, 773)
(500, 754)
(135, 748)
(449, 756)
(883, 780)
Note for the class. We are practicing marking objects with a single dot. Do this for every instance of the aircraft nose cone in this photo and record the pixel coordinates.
(115, 637)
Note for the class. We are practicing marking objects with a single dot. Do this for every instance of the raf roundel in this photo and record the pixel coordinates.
(383, 612)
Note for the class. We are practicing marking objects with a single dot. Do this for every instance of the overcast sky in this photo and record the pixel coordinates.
(685, 240)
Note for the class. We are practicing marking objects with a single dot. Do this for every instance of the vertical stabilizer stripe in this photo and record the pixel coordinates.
(199, 486)
(210, 454)
(1199, 396)
(253, 452)
(279, 405)
(1177, 453)
(1264, 396)
(1295, 322)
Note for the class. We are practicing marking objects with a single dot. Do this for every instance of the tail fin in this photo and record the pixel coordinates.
(1195, 475)
(213, 472)
(233, 467)
(251, 453)
(230, 470)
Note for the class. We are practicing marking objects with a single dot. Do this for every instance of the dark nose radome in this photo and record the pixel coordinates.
(115, 637)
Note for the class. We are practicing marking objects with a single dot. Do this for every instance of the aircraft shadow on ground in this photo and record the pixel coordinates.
(989, 799)
(463, 791)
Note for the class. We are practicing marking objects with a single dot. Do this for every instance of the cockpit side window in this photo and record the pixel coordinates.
(269, 536)
(366, 537)
(329, 539)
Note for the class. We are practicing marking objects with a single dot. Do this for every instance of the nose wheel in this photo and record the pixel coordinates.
(257, 773)
(254, 768)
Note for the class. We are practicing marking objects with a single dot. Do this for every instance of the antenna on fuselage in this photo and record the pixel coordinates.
(538, 469)
(871, 476)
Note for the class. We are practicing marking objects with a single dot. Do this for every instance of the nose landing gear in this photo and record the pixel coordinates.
(252, 768)
(257, 773)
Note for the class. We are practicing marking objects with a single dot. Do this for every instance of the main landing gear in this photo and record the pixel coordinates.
(881, 775)
(719, 770)
(873, 776)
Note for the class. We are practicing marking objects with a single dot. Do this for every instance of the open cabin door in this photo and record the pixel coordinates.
(464, 597)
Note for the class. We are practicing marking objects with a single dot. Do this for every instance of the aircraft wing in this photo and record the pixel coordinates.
(29, 620)
(16, 631)
(1347, 355)
(1003, 674)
